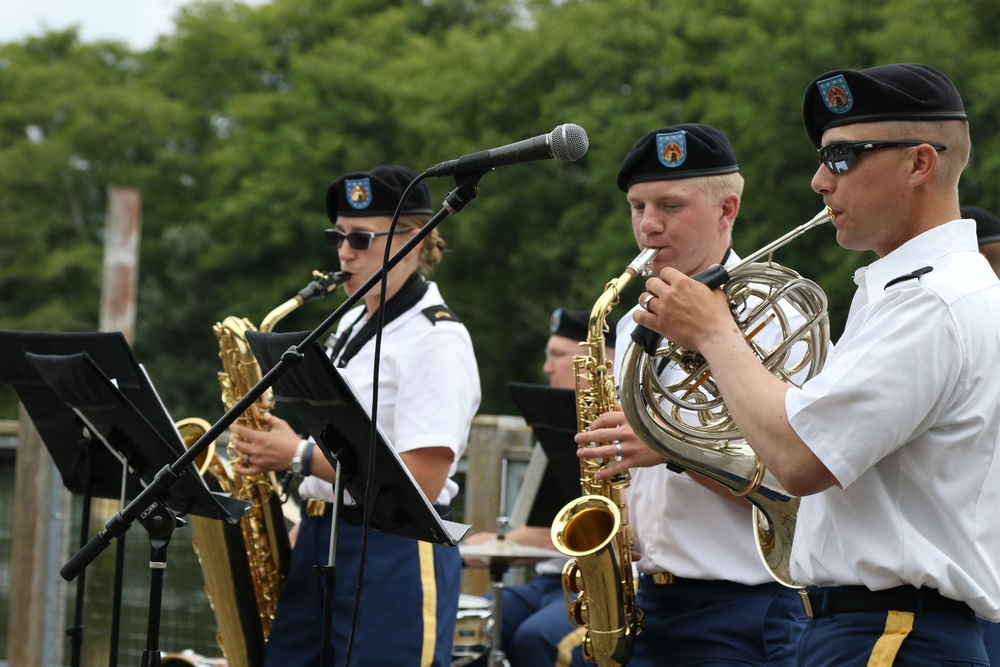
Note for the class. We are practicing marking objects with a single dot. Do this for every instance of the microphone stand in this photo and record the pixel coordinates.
(147, 503)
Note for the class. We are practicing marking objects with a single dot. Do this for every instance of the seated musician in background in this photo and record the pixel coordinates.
(706, 596)
(536, 630)
(428, 394)
(988, 238)
(895, 445)
(987, 234)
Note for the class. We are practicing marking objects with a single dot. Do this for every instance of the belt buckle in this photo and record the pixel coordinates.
(806, 602)
(662, 578)
(315, 507)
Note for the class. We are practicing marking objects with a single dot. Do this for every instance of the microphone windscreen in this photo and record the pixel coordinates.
(569, 142)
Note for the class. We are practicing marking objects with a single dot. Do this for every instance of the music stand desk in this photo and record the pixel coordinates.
(82, 385)
(553, 479)
(60, 429)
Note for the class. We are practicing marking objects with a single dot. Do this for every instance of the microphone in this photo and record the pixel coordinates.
(566, 142)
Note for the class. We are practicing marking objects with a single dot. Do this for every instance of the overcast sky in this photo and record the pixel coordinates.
(137, 22)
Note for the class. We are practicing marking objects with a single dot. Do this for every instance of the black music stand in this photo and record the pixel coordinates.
(86, 467)
(83, 470)
(147, 442)
(551, 414)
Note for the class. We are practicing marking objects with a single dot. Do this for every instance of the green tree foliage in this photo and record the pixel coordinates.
(233, 126)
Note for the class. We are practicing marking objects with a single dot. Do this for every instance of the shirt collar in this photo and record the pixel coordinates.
(922, 250)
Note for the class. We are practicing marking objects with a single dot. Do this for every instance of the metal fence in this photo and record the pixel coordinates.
(6, 521)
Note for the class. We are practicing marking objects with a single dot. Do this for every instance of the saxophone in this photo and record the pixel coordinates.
(245, 565)
(592, 530)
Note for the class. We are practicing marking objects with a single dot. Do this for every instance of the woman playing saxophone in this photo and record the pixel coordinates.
(428, 393)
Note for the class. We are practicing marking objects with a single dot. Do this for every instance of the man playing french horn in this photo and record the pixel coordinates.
(893, 445)
(705, 595)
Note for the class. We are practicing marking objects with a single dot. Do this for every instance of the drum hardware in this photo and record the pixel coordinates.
(473, 629)
(499, 554)
(188, 658)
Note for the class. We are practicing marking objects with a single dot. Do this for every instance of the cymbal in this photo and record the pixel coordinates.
(505, 551)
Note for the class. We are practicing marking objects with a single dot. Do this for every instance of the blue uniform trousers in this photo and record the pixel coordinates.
(704, 623)
(403, 620)
(991, 637)
(937, 638)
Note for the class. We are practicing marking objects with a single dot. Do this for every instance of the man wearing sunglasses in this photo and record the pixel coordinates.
(893, 446)
(428, 393)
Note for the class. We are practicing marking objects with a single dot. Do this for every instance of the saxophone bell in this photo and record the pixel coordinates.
(191, 430)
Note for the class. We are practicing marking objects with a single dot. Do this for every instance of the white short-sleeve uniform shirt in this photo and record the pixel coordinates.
(429, 387)
(906, 415)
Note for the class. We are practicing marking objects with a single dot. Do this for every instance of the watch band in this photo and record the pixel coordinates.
(307, 458)
(297, 458)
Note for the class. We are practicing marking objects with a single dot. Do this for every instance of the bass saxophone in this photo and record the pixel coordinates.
(684, 418)
(592, 530)
(245, 565)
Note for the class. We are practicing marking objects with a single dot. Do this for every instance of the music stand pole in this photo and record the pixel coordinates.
(498, 568)
(329, 572)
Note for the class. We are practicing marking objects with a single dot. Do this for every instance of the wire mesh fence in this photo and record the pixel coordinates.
(186, 617)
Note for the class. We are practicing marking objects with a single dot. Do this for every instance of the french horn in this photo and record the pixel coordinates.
(670, 399)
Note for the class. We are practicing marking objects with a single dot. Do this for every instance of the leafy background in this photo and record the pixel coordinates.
(233, 125)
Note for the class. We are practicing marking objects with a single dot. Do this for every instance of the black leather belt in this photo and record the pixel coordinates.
(351, 513)
(321, 509)
(817, 602)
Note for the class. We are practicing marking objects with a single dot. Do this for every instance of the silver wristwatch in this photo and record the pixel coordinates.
(297, 459)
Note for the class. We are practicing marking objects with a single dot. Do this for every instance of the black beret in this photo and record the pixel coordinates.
(987, 224)
(679, 151)
(575, 326)
(376, 192)
(907, 91)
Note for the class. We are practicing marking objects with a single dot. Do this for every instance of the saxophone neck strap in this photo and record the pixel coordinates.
(409, 295)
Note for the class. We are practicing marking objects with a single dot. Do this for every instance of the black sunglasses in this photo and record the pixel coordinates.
(841, 156)
(357, 240)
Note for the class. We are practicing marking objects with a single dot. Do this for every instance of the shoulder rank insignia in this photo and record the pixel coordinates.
(914, 275)
(439, 313)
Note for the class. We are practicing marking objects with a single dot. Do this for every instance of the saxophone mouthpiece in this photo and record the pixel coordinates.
(332, 280)
(323, 285)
